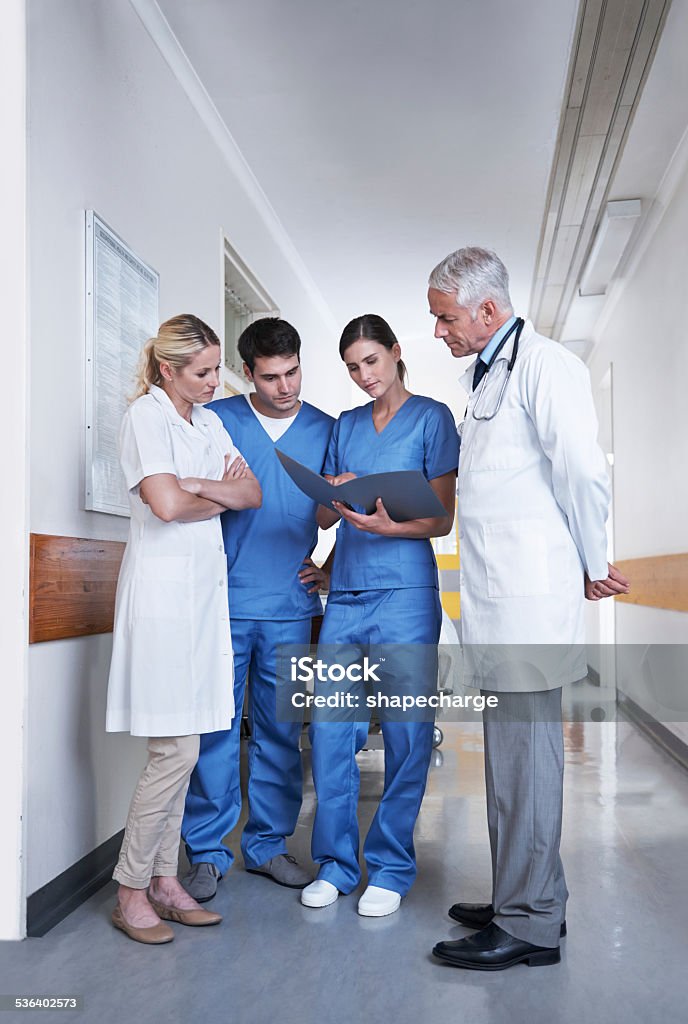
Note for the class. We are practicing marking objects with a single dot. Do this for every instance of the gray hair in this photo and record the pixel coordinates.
(473, 275)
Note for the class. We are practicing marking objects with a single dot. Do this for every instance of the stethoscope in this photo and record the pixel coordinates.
(517, 327)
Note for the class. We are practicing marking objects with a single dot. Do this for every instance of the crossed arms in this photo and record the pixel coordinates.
(194, 499)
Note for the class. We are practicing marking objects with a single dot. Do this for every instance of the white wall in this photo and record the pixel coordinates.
(13, 509)
(433, 371)
(112, 130)
(646, 339)
(652, 663)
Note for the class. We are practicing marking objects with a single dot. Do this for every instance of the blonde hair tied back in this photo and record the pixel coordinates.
(177, 342)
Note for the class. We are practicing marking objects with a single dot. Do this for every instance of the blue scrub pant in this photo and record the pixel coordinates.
(275, 778)
(373, 617)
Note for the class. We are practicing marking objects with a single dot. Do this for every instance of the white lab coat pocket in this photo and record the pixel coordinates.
(163, 587)
(516, 558)
(503, 443)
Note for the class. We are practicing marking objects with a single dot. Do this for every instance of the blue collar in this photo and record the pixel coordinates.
(494, 341)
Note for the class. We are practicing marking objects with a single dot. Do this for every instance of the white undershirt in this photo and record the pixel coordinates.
(273, 426)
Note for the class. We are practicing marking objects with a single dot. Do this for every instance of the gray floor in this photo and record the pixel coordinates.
(624, 847)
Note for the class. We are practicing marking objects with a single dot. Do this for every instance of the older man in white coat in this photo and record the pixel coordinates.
(533, 502)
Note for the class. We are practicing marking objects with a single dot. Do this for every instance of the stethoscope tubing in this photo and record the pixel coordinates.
(518, 328)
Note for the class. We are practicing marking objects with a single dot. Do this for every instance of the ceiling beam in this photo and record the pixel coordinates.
(614, 45)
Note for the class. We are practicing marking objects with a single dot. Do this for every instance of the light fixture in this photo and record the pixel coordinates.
(612, 237)
(580, 347)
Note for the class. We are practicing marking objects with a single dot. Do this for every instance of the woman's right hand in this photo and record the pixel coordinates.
(236, 470)
(327, 516)
(343, 478)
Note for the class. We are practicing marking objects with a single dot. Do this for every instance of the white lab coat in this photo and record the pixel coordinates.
(533, 500)
(171, 672)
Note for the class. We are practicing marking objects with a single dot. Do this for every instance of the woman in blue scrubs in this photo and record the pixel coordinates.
(383, 591)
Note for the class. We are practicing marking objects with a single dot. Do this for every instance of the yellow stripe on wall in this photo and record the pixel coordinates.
(451, 602)
(448, 561)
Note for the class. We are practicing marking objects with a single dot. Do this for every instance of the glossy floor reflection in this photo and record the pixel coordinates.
(624, 847)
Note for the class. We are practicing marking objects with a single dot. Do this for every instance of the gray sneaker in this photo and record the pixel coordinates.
(285, 870)
(201, 880)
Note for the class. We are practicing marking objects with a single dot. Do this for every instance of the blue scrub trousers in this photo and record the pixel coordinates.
(372, 617)
(275, 777)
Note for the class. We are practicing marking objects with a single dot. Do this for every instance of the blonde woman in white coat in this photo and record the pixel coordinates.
(171, 671)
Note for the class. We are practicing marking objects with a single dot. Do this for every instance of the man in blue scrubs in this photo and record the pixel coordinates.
(273, 595)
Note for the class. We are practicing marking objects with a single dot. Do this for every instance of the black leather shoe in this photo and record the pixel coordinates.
(479, 915)
(493, 949)
(473, 915)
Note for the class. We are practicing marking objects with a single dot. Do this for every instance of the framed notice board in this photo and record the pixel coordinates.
(122, 296)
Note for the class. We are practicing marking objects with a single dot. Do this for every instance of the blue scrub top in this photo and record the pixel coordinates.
(421, 435)
(266, 546)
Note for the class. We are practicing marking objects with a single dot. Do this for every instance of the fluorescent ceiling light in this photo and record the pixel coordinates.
(580, 347)
(612, 237)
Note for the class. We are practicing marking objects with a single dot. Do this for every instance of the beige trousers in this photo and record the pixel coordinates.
(151, 837)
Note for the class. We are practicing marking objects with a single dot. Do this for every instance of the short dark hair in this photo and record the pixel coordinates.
(269, 336)
(373, 328)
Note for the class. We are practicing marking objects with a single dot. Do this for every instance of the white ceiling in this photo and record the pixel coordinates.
(662, 114)
(386, 134)
(656, 138)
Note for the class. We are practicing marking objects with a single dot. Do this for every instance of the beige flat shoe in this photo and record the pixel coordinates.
(156, 935)
(195, 918)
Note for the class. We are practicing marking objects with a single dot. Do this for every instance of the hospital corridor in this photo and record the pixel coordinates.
(624, 850)
(344, 604)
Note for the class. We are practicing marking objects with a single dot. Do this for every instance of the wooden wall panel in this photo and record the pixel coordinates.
(72, 586)
(659, 582)
(73, 583)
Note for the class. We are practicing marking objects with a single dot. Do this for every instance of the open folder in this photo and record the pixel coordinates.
(406, 494)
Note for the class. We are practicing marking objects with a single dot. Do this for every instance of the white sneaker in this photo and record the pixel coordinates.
(378, 902)
(319, 893)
